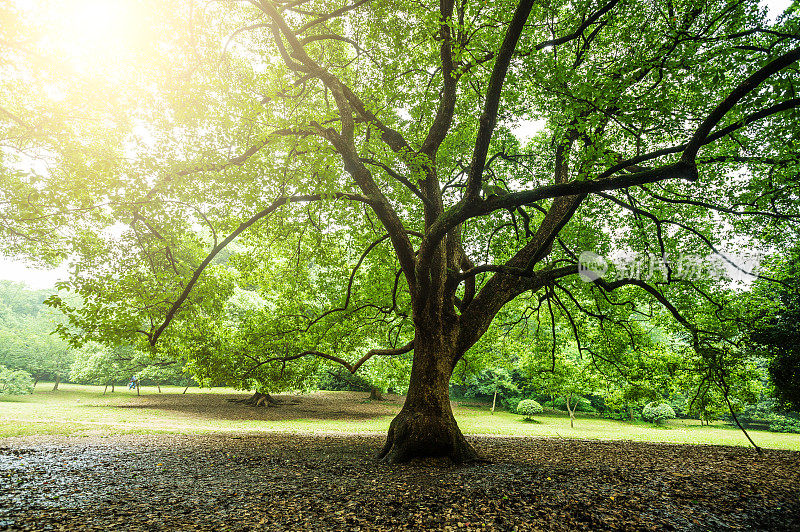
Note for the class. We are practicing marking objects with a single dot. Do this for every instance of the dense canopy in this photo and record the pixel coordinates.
(351, 181)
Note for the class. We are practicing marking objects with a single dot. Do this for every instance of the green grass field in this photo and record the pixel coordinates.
(76, 410)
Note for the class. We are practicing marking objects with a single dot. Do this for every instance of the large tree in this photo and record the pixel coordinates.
(372, 157)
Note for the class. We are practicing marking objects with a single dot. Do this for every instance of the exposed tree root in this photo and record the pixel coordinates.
(416, 435)
(263, 399)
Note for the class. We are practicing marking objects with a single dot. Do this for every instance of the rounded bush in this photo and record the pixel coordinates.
(657, 412)
(15, 382)
(785, 425)
(528, 408)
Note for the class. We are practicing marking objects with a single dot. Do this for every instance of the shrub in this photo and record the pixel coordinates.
(15, 382)
(785, 424)
(761, 413)
(657, 412)
(342, 380)
(580, 404)
(511, 403)
(529, 408)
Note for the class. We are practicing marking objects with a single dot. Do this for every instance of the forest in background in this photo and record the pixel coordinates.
(502, 374)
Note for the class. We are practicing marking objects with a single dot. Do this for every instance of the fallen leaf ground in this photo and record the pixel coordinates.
(318, 482)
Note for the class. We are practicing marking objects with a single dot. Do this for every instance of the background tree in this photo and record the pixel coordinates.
(381, 137)
(108, 366)
(94, 364)
(15, 382)
(570, 381)
(777, 333)
(27, 341)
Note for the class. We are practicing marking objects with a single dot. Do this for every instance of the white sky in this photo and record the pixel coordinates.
(776, 7)
(16, 270)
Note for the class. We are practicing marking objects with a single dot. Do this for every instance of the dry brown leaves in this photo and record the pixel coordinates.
(303, 482)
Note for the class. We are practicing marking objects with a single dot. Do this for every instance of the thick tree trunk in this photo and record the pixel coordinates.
(425, 426)
(375, 394)
(58, 380)
(159, 388)
(112, 387)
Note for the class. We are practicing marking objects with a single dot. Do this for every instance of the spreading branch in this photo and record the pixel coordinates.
(283, 200)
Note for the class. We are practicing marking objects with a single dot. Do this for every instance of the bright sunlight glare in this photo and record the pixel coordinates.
(94, 24)
(97, 30)
(92, 34)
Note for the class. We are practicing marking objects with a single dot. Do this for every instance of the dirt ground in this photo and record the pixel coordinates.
(332, 482)
(317, 405)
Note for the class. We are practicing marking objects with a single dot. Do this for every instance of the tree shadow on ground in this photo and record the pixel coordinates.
(280, 481)
(317, 406)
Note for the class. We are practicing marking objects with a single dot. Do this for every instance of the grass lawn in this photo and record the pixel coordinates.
(77, 410)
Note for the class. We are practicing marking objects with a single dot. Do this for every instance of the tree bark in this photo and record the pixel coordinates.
(425, 426)
(58, 380)
(259, 399)
(571, 412)
(263, 398)
(375, 394)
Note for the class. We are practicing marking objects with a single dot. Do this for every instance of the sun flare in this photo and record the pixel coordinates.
(98, 30)
(91, 33)
(95, 23)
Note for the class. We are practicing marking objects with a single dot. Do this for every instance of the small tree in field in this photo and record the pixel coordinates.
(569, 380)
(529, 408)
